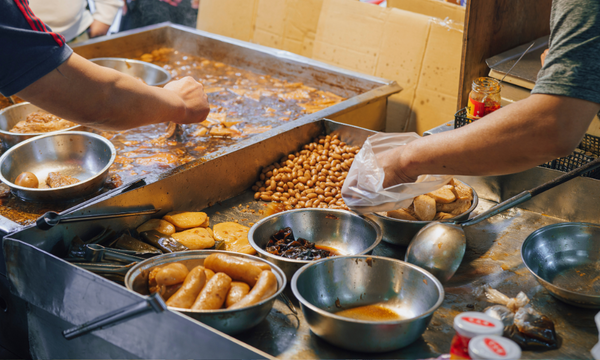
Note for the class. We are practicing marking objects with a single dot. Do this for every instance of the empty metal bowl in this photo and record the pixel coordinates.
(401, 232)
(330, 285)
(346, 232)
(10, 116)
(565, 259)
(227, 321)
(82, 155)
(152, 75)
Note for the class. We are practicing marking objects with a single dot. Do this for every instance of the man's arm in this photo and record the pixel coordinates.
(106, 10)
(89, 94)
(515, 138)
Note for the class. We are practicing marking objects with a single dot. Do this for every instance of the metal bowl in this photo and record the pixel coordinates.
(10, 116)
(565, 259)
(227, 321)
(152, 75)
(329, 285)
(401, 232)
(344, 231)
(83, 155)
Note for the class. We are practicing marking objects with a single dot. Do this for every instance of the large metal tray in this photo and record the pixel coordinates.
(60, 295)
(366, 103)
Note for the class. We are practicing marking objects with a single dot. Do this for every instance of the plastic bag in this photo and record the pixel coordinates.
(501, 313)
(513, 304)
(363, 188)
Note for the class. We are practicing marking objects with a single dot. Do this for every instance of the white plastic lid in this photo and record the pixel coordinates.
(486, 347)
(471, 324)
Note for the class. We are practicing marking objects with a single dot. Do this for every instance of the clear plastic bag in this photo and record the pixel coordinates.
(363, 188)
(513, 304)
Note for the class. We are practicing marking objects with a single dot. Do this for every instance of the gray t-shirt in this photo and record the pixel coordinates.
(572, 67)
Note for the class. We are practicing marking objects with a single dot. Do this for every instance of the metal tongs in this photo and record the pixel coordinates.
(51, 218)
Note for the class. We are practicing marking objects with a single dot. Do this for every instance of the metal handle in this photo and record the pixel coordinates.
(107, 216)
(286, 300)
(98, 253)
(151, 303)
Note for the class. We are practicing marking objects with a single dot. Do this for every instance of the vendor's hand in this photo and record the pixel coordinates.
(194, 98)
(394, 174)
(543, 56)
(98, 28)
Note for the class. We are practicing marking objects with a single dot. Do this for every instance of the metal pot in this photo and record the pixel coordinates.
(227, 321)
(152, 75)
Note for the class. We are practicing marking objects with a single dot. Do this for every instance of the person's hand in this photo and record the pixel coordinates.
(98, 28)
(194, 98)
(394, 174)
(543, 56)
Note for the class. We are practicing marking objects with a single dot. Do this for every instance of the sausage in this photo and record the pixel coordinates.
(209, 274)
(171, 274)
(187, 294)
(265, 287)
(236, 268)
(167, 291)
(214, 293)
(237, 291)
(259, 264)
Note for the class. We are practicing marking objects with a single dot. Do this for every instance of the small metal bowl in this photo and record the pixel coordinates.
(401, 232)
(227, 321)
(330, 285)
(83, 155)
(10, 116)
(152, 75)
(565, 259)
(346, 232)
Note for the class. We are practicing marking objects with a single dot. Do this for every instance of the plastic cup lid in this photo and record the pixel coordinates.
(471, 324)
(484, 347)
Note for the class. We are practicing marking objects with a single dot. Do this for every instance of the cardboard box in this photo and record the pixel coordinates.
(433, 8)
(233, 18)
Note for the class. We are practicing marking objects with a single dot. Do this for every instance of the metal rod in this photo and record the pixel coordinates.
(516, 62)
(107, 216)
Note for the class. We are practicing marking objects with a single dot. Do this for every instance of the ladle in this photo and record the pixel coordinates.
(439, 247)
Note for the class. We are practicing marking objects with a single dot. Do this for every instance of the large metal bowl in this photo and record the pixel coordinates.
(227, 321)
(326, 286)
(10, 116)
(565, 259)
(83, 155)
(152, 75)
(346, 232)
(401, 232)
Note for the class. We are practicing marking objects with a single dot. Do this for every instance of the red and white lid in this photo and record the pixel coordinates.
(471, 324)
(486, 347)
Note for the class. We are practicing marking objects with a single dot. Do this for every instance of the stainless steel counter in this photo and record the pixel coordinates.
(60, 295)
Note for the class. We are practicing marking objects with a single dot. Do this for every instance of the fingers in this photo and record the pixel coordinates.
(194, 98)
(543, 56)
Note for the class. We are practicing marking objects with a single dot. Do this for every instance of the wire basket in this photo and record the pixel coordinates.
(588, 150)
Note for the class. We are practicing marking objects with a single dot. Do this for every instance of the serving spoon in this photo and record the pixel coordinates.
(439, 247)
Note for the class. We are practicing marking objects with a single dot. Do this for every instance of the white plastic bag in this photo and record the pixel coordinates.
(363, 188)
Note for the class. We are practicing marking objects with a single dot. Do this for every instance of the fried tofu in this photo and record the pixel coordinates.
(462, 191)
(160, 225)
(195, 239)
(450, 208)
(443, 195)
(186, 219)
(235, 237)
(425, 207)
(402, 214)
(443, 216)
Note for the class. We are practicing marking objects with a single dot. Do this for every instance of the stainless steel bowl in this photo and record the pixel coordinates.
(10, 116)
(83, 155)
(227, 321)
(326, 286)
(152, 75)
(565, 259)
(401, 232)
(341, 230)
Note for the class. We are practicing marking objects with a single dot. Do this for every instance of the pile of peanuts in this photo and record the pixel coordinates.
(311, 178)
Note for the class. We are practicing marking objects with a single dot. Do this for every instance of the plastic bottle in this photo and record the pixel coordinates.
(484, 347)
(469, 325)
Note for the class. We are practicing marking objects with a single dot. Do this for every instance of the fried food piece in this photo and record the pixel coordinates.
(237, 291)
(265, 287)
(40, 122)
(235, 237)
(235, 267)
(195, 239)
(443, 195)
(162, 226)
(167, 291)
(449, 208)
(214, 293)
(186, 296)
(463, 207)
(56, 180)
(170, 274)
(186, 219)
(462, 191)
(209, 274)
(424, 207)
(443, 216)
(402, 214)
(27, 179)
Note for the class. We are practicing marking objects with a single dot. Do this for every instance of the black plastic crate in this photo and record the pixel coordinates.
(588, 150)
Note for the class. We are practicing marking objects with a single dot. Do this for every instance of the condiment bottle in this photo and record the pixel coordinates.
(469, 325)
(484, 347)
(484, 97)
